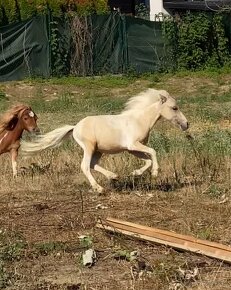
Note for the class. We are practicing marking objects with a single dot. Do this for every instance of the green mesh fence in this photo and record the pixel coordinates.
(124, 44)
(147, 49)
(120, 44)
(110, 54)
(24, 50)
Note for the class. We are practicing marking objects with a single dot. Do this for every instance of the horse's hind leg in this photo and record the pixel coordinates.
(88, 149)
(146, 158)
(95, 159)
(85, 166)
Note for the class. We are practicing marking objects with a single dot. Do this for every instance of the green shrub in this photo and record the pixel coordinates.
(101, 6)
(10, 8)
(55, 7)
(1, 13)
(197, 40)
(16, 10)
(27, 8)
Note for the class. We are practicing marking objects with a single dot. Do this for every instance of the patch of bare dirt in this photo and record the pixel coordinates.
(45, 217)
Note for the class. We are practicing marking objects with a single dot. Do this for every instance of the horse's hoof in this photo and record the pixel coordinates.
(137, 173)
(114, 177)
(155, 173)
(99, 189)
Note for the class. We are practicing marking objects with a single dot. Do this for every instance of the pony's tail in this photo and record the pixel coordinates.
(50, 140)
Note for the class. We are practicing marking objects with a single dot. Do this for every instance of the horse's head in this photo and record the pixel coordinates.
(28, 120)
(171, 112)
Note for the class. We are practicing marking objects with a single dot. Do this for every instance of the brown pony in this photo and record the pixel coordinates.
(12, 124)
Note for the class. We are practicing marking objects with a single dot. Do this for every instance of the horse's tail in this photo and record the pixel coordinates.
(50, 140)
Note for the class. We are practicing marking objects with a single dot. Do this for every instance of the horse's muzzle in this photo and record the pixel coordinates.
(35, 130)
(185, 126)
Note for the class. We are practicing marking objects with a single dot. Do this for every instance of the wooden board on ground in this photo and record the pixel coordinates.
(168, 238)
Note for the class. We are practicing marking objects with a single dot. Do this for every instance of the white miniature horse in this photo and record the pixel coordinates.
(127, 131)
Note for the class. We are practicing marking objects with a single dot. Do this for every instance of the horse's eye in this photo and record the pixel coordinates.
(25, 118)
(175, 108)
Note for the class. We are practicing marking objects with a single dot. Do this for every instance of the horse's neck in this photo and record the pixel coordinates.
(16, 133)
(149, 116)
(9, 138)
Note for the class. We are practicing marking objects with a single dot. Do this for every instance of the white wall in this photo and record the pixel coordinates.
(156, 7)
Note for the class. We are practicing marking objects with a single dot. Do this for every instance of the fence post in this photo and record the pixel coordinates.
(49, 19)
(125, 44)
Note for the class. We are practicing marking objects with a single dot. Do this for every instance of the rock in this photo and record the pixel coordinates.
(89, 258)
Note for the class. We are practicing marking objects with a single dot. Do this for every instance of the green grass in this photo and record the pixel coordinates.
(207, 73)
(207, 99)
(3, 103)
(12, 246)
(108, 81)
(87, 104)
(3, 96)
(210, 142)
(49, 247)
(211, 114)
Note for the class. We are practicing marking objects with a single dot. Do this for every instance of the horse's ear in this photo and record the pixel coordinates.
(12, 123)
(163, 98)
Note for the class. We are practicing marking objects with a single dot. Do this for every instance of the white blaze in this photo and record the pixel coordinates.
(31, 114)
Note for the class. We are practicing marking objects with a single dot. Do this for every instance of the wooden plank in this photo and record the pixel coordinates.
(178, 241)
(167, 233)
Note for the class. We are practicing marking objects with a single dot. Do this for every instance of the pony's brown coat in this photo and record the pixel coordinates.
(12, 124)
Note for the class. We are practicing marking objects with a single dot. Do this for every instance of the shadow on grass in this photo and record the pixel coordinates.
(141, 183)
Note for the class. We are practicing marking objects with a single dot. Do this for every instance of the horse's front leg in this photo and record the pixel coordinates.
(14, 155)
(146, 158)
(137, 146)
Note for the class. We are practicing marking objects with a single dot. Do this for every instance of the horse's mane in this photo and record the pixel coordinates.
(144, 99)
(10, 115)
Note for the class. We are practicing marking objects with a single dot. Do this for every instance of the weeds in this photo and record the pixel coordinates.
(4, 277)
(49, 247)
(12, 246)
(12, 252)
(86, 241)
(3, 96)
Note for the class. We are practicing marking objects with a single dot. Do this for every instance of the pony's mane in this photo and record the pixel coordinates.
(9, 115)
(144, 99)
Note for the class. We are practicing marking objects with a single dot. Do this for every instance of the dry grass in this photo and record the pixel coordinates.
(49, 206)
